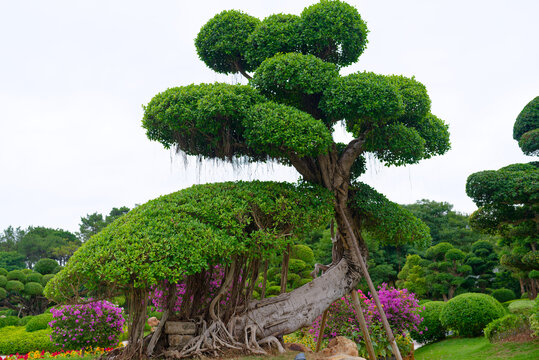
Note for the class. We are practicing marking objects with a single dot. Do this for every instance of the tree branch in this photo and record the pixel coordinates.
(351, 152)
(242, 70)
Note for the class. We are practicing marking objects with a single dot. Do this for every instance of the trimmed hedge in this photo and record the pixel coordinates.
(39, 322)
(503, 295)
(34, 277)
(16, 275)
(524, 307)
(8, 321)
(468, 314)
(504, 327)
(15, 339)
(431, 327)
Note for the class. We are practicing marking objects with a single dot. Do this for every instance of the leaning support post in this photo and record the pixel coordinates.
(363, 324)
(374, 293)
(321, 332)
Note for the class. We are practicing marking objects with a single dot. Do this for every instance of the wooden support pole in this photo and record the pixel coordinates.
(363, 324)
(321, 331)
(374, 293)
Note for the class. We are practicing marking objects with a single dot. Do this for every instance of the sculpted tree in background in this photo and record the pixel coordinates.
(287, 114)
(508, 202)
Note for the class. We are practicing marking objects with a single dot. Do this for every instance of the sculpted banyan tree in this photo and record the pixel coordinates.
(286, 114)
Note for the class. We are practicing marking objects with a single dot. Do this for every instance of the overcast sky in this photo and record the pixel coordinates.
(75, 74)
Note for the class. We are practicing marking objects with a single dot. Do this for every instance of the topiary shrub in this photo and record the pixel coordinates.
(45, 266)
(26, 271)
(39, 322)
(34, 277)
(431, 328)
(3, 293)
(273, 290)
(75, 326)
(468, 314)
(8, 321)
(3, 271)
(23, 321)
(523, 306)
(503, 295)
(302, 252)
(14, 339)
(46, 279)
(15, 286)
(504, 327)
(3, 281)
(295, 266)
(33, 289)
(17, 275)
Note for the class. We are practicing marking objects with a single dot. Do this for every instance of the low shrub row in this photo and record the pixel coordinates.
(15, 339)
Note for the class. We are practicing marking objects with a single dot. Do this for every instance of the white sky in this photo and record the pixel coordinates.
(74, 74)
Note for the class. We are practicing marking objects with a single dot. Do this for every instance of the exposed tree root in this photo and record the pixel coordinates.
(216, 339)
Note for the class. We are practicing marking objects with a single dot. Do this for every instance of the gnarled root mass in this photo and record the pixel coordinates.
(216, 339)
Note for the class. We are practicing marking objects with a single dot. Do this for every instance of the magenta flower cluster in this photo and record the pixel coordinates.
(96, 324)
(157, 294)
(400, 306)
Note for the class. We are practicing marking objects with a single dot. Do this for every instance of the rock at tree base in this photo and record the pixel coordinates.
(180, 328)
(153, 322)
(339, 348)
(297, 347)
(179, 340)
(345, 357)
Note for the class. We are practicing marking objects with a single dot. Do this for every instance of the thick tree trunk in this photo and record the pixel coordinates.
(288, 312)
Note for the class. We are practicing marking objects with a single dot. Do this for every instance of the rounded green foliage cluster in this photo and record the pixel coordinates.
(431, 329)
(16, 275)
(3, 293)
(503, 295)
(289, 78)
(389, 223)
(46, 266)
(3, 281)
(8, 321)
(17, 340)
(204, 120)
(526, 128)
(33, 288)
(3, 272)
(467, 314)
(275, 34)
(333, 31)
(276, 128)
(39, 322)
(505, 327)
(46, 279)
(302, 252)
(223, 41)
(189, 231)
(523, 307)
(34, 277)
(14, 286)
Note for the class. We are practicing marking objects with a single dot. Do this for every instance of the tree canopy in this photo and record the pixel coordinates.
(188, 232)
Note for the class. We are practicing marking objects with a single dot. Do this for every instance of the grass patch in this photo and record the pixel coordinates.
(478, 348)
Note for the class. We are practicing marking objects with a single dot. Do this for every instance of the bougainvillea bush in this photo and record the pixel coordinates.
(96, 324)
(401, 308)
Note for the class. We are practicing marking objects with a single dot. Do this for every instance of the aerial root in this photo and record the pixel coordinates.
(217, 338)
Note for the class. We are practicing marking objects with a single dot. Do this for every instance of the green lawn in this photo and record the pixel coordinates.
(477, 348)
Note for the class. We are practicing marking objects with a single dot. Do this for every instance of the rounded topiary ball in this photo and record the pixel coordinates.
(3, 271)
(302, 252)
(34, 277)
(3, 281)
(33, 289)
(45, 266)
(15, 286)
(3, 293)
(39, 322)
(431, 328)
(16, 275)
(503, 295)
(469, 313)
(46, 279)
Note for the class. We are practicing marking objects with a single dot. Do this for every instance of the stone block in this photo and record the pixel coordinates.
(179, 340)
(180, 328)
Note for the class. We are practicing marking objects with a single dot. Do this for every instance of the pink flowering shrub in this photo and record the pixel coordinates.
(401, 308)
(96, 324)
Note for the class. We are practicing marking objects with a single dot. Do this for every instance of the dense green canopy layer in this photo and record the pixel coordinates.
(189, 231)
(526, 128)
